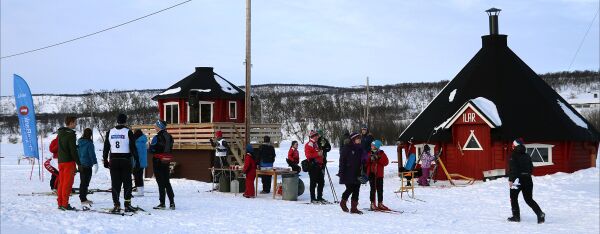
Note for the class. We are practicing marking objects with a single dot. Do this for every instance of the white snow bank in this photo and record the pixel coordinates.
(225, 86)
(488, 108)
(572, 115)
(452, 94)
(171, 91)
(201, 90)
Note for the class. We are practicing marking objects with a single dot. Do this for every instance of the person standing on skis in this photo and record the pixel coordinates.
(87, 157)
(68, 158)
(221, 149)
(141, 143)
(316, 168)
(519, 179)
(119, 149)
(375, 165)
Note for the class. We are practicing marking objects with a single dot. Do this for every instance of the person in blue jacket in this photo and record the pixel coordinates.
(87, 157)
(141, 143)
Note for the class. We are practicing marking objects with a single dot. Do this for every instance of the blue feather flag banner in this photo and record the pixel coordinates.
(26, 114)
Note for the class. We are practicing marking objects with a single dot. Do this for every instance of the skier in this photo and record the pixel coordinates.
(367, 138)
(317, 177)
(323, 145)
(375, 165)
(87, 157)
(50, 165)
(426, 159)
(120, 145)
(520, 170)
(293, 158)
(221, 149)
(351, 162)
(141, 143)
(250, 171)
(162, 145)
(67, 159)
(266, 157)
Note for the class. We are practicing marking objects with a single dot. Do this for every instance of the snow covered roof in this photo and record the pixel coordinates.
(204, 83)
(525, 105)
(482, 106)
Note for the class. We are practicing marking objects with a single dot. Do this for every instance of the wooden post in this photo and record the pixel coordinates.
(368, 103)
(248, 116)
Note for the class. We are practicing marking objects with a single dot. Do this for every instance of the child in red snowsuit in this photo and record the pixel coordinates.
(250, 171)
(375, 165)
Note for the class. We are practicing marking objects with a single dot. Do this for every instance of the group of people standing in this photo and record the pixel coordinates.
(124, 154)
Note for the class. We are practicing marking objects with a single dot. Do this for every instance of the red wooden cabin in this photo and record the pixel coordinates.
(493, 100)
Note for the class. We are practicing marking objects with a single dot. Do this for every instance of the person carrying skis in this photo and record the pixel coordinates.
(250, 171)
(323, 145)
(50, 166)
(68, 158)
(352, 159)
(221, 149)
(375, 165)
(266, 157)
(87, 157)
(141, 144)
(426, 159)
(119, 149)
(367, 138)
(316, 174)
(519, 179)
(161, 146)
(293, 158)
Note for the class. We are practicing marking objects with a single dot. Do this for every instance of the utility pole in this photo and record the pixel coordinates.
(368, 104)
(248, 62)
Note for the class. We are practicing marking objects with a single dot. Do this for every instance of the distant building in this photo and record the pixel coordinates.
(586, 102)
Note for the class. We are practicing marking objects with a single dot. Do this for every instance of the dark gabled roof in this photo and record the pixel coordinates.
(527, 106)
(203, 83)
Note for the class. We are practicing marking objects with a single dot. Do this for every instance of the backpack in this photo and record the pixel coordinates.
(305, 165)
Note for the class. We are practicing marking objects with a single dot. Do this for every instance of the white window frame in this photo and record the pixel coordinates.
(234, 109)
(188, 112)
(469, 138)
(165, 111)
(547, 146)
(212, 110)
(419, 149)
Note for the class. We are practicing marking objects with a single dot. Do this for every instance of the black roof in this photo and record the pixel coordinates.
(527, 106)
(203, 83)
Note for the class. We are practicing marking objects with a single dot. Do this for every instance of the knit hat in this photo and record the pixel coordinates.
(426, 148)
(266, 139)
(518, 141)
(219, 134)
(320, 131)
(313, 133)
(364, 126)
(354, 135)
(377, 144)
(249, 148)
(161, 124)
(122, 118)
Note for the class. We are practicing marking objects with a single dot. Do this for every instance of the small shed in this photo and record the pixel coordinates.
(493, 100)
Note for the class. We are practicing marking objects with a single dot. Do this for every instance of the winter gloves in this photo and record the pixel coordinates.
(106, 164)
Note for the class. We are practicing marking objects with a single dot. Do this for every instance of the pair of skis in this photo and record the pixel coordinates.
(108, 211)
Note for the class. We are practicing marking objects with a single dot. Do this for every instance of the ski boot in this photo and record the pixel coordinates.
(343, 205)
(172, 206)
(129, 208)
(541, 217)
(373, 206)
(516, 217)
(354, 208)
(160, 206)
(116, 209)
(68, 207)
(87, 202)
(382, 206)
(323, 201)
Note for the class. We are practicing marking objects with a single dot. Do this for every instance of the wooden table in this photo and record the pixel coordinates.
(274, 174)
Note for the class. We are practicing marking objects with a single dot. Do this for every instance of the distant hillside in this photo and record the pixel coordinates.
(298, 107)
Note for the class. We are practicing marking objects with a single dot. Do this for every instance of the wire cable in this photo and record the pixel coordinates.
(583, 40)
(94, 33)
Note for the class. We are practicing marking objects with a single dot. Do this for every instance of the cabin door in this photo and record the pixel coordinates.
(473, 142)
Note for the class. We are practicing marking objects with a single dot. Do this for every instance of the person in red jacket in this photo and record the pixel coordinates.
(314, 155)
(293, 158)
(250, 171)
(375, 166)
(48, 164)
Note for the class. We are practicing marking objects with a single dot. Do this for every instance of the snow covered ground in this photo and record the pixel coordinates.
(570, 201)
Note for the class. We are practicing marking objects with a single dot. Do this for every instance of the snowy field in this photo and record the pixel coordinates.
(570, 201)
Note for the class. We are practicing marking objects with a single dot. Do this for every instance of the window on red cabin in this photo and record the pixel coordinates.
(232, 110)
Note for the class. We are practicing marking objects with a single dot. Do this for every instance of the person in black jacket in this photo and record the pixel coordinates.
(120, 145)
(519, 179)
(367, 138)
(324, 145)
(266, 154)
(161, 146)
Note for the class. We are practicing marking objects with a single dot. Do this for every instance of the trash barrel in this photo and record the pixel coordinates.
(290, 187)
(235, 186)
(224, 184)
(300, 187)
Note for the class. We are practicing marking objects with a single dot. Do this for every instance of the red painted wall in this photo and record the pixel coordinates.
(220, 109)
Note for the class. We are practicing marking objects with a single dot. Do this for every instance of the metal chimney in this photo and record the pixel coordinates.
(493, 15)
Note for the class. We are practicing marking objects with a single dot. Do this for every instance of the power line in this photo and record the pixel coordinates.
(583, 40)
(94, 33)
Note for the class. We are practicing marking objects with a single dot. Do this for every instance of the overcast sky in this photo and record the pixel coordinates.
(326, 42)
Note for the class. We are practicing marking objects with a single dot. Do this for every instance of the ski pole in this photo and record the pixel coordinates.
(331, 185)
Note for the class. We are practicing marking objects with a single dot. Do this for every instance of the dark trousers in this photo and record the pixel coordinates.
(120, 175)
(351, 189)
(85, 175)
(54, 181)
(138, 176)
(219, 162)
(376, 187)
(161, 173)
(266, 183)
(527, 188)
(317, 180)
